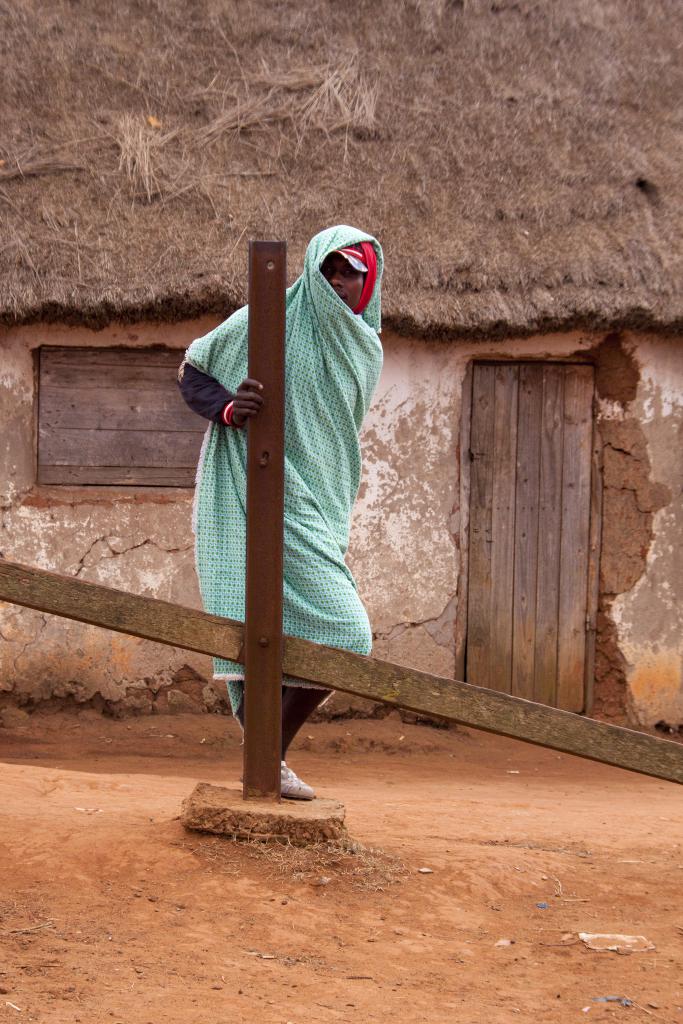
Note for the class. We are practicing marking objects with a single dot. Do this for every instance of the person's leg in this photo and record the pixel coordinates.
(239, 714)
(298, 703)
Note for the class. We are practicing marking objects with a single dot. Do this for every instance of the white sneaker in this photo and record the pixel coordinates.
(291, 786)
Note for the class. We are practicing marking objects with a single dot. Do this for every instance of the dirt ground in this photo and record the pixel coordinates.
(111, 912)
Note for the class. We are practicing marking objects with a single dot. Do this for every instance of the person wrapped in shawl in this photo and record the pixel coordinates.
(333, 361)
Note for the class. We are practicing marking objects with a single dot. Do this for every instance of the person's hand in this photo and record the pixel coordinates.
(247, 401)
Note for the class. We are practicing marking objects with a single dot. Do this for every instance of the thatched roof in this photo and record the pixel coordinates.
(520, 160)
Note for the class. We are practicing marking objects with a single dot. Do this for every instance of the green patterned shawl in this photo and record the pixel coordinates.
(333, 362)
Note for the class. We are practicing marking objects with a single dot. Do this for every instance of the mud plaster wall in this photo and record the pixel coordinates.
(639, 655)
(404, 545)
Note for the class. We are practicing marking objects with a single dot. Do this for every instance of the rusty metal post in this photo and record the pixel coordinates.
(265, 524)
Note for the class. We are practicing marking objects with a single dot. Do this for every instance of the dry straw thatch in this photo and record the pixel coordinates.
(519, 159)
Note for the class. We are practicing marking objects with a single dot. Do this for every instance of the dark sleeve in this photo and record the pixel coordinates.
(203, 394)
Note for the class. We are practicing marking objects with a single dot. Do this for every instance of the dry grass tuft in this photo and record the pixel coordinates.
(320, 865)
(343, 99)
(328, 98)
(141, 157)
(33, 167)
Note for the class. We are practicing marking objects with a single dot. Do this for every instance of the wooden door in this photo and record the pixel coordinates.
(529, 522)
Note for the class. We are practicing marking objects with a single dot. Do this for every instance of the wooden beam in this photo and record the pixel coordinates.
(485, 709)
(146, 617)
(351, 673)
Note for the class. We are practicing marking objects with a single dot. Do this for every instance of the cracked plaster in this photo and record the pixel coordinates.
(648, 613)
(402, 546)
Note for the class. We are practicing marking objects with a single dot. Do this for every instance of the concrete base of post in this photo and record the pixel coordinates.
(224, 812)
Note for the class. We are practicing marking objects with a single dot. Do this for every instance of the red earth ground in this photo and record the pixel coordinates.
(110, 912)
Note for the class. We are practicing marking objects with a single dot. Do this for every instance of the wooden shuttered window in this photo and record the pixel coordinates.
(115, 416)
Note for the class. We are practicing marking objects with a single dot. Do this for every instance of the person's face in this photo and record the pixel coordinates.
(347, 282)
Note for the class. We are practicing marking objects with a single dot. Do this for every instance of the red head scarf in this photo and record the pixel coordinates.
(370, 261)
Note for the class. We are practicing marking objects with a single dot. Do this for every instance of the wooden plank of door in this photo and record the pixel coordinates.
(503, 524)
(118, 447)
(526, 529)
(124, 408)
(118, 375)
(481, 481)
(550, 526)
(394, 685)
(465, 465)
(576, 481)
(106, 476)
(56, 356)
